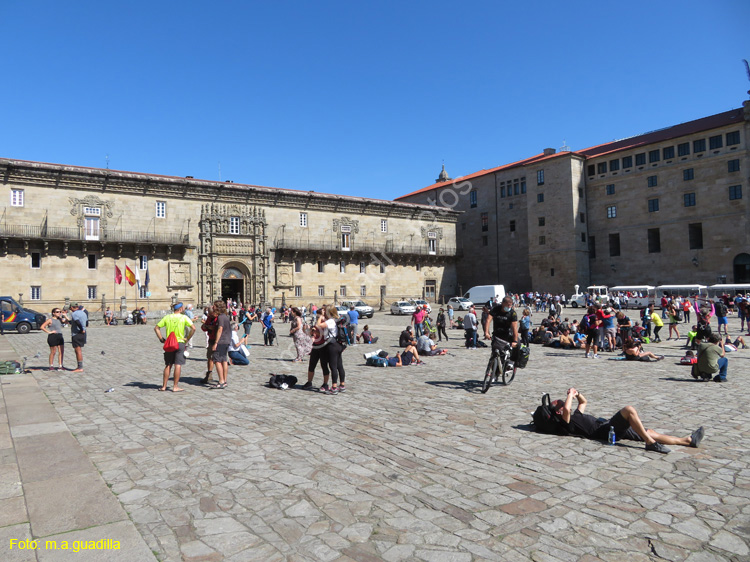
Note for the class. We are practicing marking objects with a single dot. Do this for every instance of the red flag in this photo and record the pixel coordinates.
(130, 276)
(118, 275)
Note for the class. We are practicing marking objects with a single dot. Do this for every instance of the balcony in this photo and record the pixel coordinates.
(71, 234)
(389, 248)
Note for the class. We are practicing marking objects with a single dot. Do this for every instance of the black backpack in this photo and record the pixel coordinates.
(277, 380)
(546, 420)
(341, 332)
(721, 309)
(520, 355)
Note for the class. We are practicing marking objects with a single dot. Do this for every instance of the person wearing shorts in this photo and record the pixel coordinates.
(221, 345)
(78, 321)
(626, 424)
(54, 326)
(183, 329)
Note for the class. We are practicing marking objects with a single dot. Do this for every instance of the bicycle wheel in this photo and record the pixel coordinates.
(509, 374)
(491, 371)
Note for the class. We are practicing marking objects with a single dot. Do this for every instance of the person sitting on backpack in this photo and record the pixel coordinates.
(626, 424)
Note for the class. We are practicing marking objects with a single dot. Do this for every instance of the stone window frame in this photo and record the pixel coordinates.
(321, 290)
(35, 292)
(688, 199)
(91, 291)
(298, 290)
(234, 225)
(160, 209)
(383, 225)
(38, 260)
(17, 197)
(612, 212)
(733, 165)
(303, 220)
(688, 174)
(735, 192)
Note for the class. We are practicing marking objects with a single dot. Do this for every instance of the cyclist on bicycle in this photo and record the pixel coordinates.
(505, 332)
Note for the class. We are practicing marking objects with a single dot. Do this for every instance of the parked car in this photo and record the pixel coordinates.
(402, 307)
(342, 310)
(365, 311)
(421, 303)
(460, 303)
(15, 317)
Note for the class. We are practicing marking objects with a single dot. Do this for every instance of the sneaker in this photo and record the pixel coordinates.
(342, 387)
(596, 356)
(586, 356)
(657, 448)
(717, 378)
(332, 390)
(323, 388)
(307, 386)
(206, 379)
(660, 357)
(696, 437)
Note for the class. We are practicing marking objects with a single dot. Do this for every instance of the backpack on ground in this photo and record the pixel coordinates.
(278, 381)
(376, 361)
(520, 355)
(546, 420)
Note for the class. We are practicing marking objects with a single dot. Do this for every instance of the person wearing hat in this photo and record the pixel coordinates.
(183, 330)
(78, 321)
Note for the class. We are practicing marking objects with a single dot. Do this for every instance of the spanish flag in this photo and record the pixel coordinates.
(129, 275)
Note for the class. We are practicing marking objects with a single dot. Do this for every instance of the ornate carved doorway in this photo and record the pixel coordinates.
(233, 285)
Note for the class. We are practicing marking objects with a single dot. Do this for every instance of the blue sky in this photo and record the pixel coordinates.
(357, 98)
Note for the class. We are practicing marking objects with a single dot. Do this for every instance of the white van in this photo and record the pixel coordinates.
(482, 293)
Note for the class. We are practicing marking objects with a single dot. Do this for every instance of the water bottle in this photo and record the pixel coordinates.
(611, 439)
(109, 390)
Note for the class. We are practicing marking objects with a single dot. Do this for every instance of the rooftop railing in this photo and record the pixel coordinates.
(388, 247)
(34, 232)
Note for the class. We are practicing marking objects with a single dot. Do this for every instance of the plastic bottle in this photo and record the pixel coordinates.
(611, 438)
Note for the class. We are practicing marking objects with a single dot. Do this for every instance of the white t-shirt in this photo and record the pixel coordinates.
(235, 346)
(331, 331)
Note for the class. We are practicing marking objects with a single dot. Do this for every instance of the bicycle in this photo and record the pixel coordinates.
(499, 366)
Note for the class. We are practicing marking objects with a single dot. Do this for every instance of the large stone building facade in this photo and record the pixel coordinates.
(64, 229)
(667, 207)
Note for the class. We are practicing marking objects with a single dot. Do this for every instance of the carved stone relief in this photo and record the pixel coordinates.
(284, 277)
(179, 275)
(77, 205)
(346, 221)
(438, 230)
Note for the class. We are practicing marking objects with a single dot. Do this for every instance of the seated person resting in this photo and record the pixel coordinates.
(634, 352)
(410, 356)
(406, 338)
(626, 423)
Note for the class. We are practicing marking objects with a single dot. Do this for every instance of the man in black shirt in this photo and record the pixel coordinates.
(505, 322)
(626, 423)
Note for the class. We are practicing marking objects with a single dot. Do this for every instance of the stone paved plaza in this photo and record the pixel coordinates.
(411, 463)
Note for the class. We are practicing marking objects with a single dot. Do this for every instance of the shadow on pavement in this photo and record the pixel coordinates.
(469, 386)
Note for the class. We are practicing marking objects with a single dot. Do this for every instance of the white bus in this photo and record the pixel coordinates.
(728, 289)
(640, 295)
(683, 290)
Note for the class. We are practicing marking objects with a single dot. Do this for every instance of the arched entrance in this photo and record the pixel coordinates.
(742, 268)
(233, 284)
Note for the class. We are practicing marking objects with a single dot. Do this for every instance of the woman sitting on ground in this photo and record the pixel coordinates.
(634, 352)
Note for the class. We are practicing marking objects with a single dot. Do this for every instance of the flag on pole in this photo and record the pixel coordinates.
(148, 278)
(118, 275)
(138, 276)
(129, 275)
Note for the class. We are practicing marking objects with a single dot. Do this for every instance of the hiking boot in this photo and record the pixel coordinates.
(307, 386)
(697, 436)
(657, 448)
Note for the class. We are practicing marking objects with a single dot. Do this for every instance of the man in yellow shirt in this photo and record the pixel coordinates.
(177, 323)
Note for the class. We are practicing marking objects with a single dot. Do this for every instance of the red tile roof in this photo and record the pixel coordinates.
(703, 124)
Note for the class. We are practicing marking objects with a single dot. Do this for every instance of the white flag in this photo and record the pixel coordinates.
(138, 275)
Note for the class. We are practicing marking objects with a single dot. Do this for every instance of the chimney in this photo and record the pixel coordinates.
(549, 151)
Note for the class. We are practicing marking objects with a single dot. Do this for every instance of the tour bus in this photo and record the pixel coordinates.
(598, 292)
(728, 289)
(683, 290)
(635, 301)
